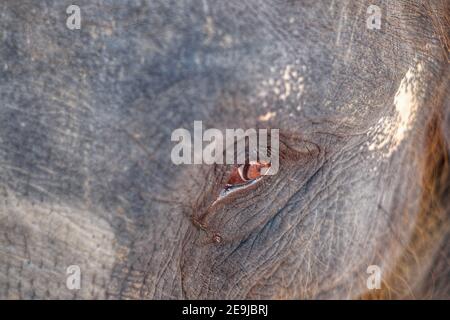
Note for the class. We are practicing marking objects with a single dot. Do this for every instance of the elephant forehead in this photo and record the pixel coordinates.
(195, 61)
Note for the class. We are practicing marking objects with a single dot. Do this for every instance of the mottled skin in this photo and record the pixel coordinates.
(85, 171)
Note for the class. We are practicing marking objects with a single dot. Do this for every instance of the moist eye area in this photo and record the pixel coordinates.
(247, 172)
(243, 176)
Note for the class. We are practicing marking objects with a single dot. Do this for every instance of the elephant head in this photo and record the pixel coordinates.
(88, 188)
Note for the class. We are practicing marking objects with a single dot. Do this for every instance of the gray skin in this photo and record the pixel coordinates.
(85, 171)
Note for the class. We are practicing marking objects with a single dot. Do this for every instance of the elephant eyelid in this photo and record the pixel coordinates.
(233, 185)
(248, 172)
(292, 150)
(243, 176)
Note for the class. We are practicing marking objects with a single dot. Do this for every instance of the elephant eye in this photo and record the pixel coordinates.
(243, 175)
(247, 172)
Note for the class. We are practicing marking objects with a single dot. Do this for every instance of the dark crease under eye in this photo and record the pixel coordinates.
(229, 189)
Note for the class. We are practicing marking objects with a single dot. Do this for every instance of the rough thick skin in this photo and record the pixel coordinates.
(85, 170)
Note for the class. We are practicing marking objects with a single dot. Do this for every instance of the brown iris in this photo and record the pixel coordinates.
(247, 172)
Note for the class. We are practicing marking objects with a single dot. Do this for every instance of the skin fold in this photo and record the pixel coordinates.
(86, 178)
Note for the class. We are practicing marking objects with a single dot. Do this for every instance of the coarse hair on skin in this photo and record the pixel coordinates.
(423, 271)
(438, 12)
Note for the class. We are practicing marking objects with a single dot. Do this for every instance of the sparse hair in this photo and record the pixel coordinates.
(422, 271)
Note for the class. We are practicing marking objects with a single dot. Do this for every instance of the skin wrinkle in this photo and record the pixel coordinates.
(265, 275)
(238, 282)
(261, 264)
(166, 264)
(271, 219)
(245, 209)
(275, 243)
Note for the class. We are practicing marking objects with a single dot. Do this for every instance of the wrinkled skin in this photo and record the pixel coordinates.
(86, 177)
